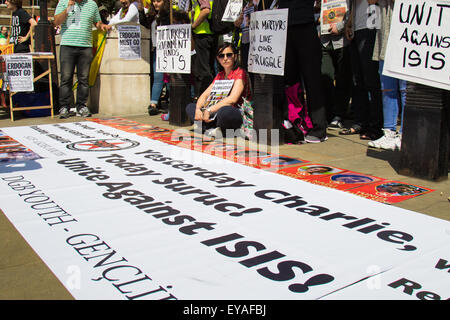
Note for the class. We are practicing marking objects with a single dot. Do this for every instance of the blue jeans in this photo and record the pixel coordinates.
(71, 57)
(158, 83)
(394, 95)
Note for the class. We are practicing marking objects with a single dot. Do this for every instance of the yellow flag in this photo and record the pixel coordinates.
(99, 40)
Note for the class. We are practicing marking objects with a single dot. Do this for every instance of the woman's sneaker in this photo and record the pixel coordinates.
(212, 134)
(391, 140)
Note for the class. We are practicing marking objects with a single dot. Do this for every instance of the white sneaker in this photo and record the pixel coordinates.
(215, 133)
(389, 141)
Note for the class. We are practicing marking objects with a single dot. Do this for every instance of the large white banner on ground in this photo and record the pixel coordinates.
(418, 48)
(119, 216)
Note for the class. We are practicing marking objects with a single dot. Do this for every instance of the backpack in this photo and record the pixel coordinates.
(215, 22)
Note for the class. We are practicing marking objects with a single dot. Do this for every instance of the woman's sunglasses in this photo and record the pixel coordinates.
(222, 55)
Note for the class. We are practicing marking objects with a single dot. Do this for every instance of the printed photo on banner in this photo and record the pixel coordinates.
(268, 34)
(19, 72)
(173, 48)
(331, 12)
(418, 48)
(232, 11)
(129, 42)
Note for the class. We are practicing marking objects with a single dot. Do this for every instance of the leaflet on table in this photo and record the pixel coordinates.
(332, 11)
(220, 90)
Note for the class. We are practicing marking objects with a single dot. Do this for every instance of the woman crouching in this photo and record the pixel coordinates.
(225, 114)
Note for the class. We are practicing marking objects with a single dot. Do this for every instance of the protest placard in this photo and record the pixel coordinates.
(129, 42)
(331, 11)
(183, 5)
(232, 11)
(221, 89)
(268, 33)
(173, 48)
(19, 72)
(419, 42)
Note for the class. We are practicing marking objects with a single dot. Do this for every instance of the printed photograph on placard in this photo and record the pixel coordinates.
(332, 11)
(390, 191)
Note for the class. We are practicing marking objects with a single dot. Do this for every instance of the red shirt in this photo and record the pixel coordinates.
(236, 74)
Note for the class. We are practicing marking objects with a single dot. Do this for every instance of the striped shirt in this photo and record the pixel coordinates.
(76, 30)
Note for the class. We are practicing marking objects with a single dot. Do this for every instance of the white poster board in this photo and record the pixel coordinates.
(331, 11)
(268, 34)
(418, 48)
(19, 72)
(173, 48)
(129, 42)
(232, 11)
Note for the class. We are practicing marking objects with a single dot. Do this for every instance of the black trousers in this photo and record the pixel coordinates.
(336, 80)
(203, 61)
(366, 98)
(303, 63)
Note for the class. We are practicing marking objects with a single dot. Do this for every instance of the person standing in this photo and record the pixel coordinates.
(127, 13)
(336, 71)
(205, 44)
(22, 25)
(76, 18)
(157, 15)
(4, 36)
(393, 90)
(303, 62)
(366, 96)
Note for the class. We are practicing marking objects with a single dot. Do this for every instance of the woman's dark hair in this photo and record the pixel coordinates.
(222, 47)
(180, 17)
(158, 15)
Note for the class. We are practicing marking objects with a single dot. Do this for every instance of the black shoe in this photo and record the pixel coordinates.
(152, 111)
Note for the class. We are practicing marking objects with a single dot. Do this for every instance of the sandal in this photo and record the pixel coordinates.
(355, 129)
(369, 136)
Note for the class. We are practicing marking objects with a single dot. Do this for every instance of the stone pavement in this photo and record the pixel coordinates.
(23, 275)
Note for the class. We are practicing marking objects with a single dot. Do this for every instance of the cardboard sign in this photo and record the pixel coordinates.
(129, 42)
(268, 34)
(173, 48)
(418, 48)
(232, 10)
(19, 72)
(331, 11)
